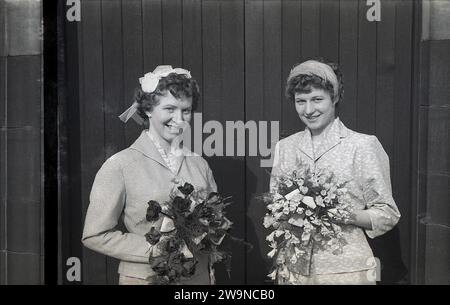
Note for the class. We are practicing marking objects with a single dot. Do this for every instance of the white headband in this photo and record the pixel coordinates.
(313, 67)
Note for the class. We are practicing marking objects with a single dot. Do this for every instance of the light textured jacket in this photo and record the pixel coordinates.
(360, 160)
(122, 188)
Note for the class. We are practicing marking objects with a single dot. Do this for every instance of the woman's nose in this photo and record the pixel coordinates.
(309, 108)
(178, 116)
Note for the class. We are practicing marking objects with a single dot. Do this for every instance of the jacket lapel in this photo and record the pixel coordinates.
(145, 145)
(332, 138)
(305, 143)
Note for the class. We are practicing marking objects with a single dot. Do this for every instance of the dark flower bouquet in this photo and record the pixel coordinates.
(302, 213)
(192, 224)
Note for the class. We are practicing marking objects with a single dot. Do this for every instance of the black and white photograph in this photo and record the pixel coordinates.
(225, 142)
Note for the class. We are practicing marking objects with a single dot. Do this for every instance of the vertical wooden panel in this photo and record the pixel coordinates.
(172, 33)
(329, 30)
(224, 100)
(212, 88)
(348, 60)
(133, 60)
(310, 28)
(232, 101)
(366, 72)
(69, 153)
(387, 247)
(255, 108)
(386, 67)
(113, 93)
(91, 123)
(192, 53)
(402, 131)
(292, 44)
(263, 86)
(152, 34)
(192, 40)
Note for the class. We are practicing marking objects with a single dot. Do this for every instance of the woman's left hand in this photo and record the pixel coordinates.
(359, 218)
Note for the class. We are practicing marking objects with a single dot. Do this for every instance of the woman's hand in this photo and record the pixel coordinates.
(359, 218)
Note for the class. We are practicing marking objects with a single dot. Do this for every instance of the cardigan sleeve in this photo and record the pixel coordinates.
(372, 169)
(107, 201)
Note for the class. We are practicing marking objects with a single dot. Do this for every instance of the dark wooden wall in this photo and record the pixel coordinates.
(241, 53)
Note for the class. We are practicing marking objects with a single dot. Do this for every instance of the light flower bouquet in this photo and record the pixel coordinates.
(301, 214)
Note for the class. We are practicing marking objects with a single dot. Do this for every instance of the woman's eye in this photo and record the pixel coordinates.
(187, 111)
(300, 102)
(170, 110)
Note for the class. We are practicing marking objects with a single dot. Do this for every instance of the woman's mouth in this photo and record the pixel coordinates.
(174, 128)
(312, 118)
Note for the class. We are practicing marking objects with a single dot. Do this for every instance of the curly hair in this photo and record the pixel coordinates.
(304, 83)
(179, 85)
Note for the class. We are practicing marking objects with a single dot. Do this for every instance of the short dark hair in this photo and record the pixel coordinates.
(179, 85)
(303, 83)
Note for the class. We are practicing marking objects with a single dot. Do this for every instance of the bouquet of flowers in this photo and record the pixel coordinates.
(192, 224)
(301, 214)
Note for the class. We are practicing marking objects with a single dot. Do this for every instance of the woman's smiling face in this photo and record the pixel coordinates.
(316, 109)
(170, 116)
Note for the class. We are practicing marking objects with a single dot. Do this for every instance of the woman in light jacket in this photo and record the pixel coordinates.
(147, 170)
(315, 88)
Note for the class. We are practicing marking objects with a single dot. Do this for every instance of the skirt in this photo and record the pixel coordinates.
(364, 277)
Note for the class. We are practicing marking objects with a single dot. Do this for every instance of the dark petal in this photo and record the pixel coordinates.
(186, 189)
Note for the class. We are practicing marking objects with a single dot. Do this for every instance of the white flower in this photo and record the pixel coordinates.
(287, 234)
(149, 82)
(299, 181)
(292, 207)
(268, 221)
(272, 253)
(294, 240)
(300, 210)
(296, 221)
(277, 197)
(286, 210)
(270, 237)
(278, 233)
(293, 259)
(298, 252)
(319, 201)
(292, 194)
(303, 189)
(309, 201)
(306, 236)
(273, 275)
(289, 183)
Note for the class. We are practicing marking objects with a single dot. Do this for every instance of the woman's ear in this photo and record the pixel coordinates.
(148, 113)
